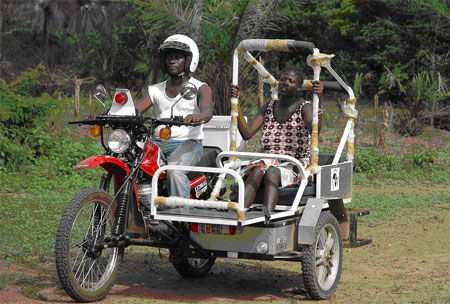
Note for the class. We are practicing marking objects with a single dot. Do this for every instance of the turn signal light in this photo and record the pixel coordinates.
(120, 98)
(165, 133)
(95, 130)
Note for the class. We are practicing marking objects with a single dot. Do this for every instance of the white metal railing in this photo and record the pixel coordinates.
(181, 202)
(252, 155)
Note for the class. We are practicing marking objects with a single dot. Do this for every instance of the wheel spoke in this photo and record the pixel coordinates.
(81, 263)
(80, 250)
(321, 274)
(89, 270)
(90, 225)
(328, 268)
(322, 239)
(320, 260)
(329, 243)
(79, 275)
(100, 225)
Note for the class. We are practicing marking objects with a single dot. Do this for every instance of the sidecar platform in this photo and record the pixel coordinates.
(333, 182)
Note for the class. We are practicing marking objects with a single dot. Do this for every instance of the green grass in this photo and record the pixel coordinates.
(7, 279)
(30, 209)
(33, 199)
(29, 286)
(386, 200)
(30, 218)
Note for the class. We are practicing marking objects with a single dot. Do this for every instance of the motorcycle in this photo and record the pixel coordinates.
(99, 223)
(132, 206)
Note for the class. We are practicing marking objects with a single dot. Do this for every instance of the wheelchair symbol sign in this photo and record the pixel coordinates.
(335, 179)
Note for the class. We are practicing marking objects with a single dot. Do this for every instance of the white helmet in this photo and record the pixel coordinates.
(186, 45)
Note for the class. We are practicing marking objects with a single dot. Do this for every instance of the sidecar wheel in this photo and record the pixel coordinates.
(322, 261)
(194, 267)
(85, 269)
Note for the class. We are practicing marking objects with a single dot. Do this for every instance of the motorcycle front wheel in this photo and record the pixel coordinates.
(86, 270)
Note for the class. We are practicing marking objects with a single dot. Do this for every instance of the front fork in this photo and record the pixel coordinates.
(121, 214)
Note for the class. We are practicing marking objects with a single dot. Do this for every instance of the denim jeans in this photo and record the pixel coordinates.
(183, 153)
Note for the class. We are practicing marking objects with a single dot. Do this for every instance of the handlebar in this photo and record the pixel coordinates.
(133, 120)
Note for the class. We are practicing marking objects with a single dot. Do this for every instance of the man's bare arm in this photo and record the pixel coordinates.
(205, 105)
(144, 104)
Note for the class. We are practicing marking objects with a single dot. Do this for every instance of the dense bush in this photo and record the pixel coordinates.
(421, 158)
(67, 151)
(27, 135)
(22, 117)
(372, 160)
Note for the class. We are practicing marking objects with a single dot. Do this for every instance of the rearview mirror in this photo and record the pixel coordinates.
(101, 94)
(101, 90)
(188, 91)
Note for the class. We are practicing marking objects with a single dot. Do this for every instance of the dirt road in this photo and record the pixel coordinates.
(408, 262)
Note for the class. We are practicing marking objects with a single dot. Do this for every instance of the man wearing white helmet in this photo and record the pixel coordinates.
(179, 56)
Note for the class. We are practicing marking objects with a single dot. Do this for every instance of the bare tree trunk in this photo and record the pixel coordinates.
(196, 19)
(78, 83)
(375, 121)
(433, 112)
(384, 127)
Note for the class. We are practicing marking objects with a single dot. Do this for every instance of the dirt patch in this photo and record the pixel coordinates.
(408, 262)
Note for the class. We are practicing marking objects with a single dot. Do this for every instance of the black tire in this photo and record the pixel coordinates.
(322, 261)
(86, 274)
(194, 267)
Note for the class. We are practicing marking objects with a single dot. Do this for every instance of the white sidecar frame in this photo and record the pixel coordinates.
(213, 211)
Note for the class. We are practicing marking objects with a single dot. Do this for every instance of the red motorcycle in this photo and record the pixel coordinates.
(99, 223)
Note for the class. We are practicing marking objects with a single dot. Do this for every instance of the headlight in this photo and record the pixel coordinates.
(119, 141)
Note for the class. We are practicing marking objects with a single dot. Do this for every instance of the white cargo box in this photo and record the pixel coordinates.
(217, 133)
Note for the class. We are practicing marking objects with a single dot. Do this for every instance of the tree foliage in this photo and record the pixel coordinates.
(382, 46)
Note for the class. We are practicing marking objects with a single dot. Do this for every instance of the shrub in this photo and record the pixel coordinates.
(371, 160)
(24, 114)
(420, 158)
(65, 151)
(11, 153)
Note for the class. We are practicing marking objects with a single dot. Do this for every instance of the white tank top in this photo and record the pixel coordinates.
(184, 107)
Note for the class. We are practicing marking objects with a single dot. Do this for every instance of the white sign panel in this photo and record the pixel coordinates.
(334, 179)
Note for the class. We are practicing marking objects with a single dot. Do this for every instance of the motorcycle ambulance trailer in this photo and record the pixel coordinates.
(132, 206)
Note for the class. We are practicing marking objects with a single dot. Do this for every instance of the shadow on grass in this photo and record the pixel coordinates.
(147, 275)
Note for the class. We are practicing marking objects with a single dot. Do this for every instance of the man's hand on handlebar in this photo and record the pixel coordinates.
(193, 118)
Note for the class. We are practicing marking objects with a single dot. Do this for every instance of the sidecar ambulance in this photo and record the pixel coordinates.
(308, 226)
(310, 220)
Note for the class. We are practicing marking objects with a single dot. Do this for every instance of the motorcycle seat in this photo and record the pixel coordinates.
(208, 159)
(209, 156)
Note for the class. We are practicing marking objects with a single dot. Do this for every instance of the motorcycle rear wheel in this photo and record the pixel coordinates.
(87, 271)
